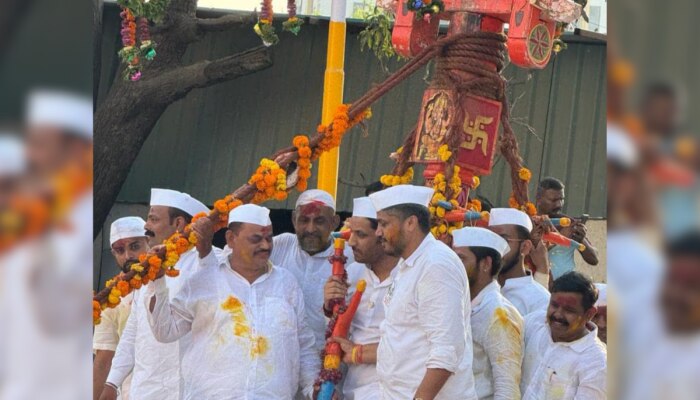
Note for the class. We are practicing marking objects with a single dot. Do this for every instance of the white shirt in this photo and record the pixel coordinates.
(156, 365)
(427, 325)
(311, 272)
(525, 294)
(497, 331)
(109, 330)
(561, 370)
(361, 381)
(249, 341)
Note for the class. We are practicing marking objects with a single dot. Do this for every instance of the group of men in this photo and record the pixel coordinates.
(249, 321)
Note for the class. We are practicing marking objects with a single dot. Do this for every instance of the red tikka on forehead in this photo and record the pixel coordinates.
(266, 230)
(566, 299)
(311, 208)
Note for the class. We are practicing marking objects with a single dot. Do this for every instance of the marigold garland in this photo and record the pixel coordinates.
(333, 132)
(440, 226)
(444, 153)
(270, 181)
(301, 142)
(393, 180)
(292, 24)
(528, 208)
(264, 27)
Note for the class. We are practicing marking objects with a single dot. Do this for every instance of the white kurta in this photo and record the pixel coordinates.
(249, 341)
(361, 381)
(562, 371)
(110, 329)
(156, 365)
(526, 295)
(427, 325)
(497, 331)
(311, 272)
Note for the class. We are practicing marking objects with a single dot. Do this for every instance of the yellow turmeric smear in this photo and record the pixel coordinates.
(502, 317)
(241, 328)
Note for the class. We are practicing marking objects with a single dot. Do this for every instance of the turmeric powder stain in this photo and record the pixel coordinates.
(241, 327)
(502, 317)
(510, 333)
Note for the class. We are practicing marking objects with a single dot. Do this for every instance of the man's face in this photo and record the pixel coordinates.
(391, 233)
(566, 316)
(45, 149)
(680, 295)
(661, 115)
(313, 224)
(551, 202)
(251, 246)
(601, 321)
(127, 251)
(469, 261)
(158, 226)
(366, 246)
(510, 234)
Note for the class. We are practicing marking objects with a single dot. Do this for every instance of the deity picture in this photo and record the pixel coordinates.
(433, 126)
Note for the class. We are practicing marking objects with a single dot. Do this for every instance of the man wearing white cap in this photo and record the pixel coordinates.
(59, 129)
(517, 285)
(306, 254)
(377, 269)
(157, 365)
(496, 324)
(128, 241)
(425, 350)
(250, 339)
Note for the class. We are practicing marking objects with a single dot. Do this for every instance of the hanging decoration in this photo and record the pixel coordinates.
(292, 24)
(264, 27)
(137, 44)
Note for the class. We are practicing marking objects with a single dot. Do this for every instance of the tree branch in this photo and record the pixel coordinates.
(224, 23)
(175, 84)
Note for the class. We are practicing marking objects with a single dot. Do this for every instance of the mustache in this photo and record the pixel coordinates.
(262, 251)
(150, 233)
(311, 235)
(561, 321)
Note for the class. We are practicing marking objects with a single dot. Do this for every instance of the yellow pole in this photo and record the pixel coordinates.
(333, 93)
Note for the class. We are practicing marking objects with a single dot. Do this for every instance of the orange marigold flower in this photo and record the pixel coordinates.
(269, 191)
(321, 128)
(154, 261)
(123, 287)
(95, 305)
(182, 245)
(269, 180)
(525, 174)
(300, 141)
(304, 163)
(260, 185)
(172, 272)
(304, 173)
(221, 206)
(301, 185)
(136, 283)
(142, 258)
(198, 216)
(280, 196)
(305, 152)
(512, 203)
(531, 209)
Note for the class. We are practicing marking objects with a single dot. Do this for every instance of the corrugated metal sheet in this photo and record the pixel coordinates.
(209, 143)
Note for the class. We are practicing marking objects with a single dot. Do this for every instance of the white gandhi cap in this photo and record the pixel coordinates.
(62, 110)
(179, 200)
(250, 214)
(509, 216)
(12, 157)
(401, 194)
(363, 207)
(479, 237)
(316, 196)
(621, 147)
(602, 294)
(127, 227)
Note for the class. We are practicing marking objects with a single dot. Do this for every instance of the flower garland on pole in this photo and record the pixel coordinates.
(268, 182)
(525, 175)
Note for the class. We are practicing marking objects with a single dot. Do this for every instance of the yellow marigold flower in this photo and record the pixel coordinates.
(444, 153)
(399, 150)
(525, 174)
(109, 283)
(432, 210)
(442, 229)
(451, 229)
(440, 212)
(396, 180)
(112, 299)
(476, 182)
(434, 231)
(137, 267)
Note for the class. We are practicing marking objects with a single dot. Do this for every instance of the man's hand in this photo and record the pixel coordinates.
(203, 230)
(578, 232)
(346, 346)
(540, 257)
(108, 393)
(335, 288)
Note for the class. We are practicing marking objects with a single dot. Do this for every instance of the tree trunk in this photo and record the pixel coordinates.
(130, 110)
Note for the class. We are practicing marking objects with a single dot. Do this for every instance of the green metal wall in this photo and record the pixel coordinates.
(210, 142)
